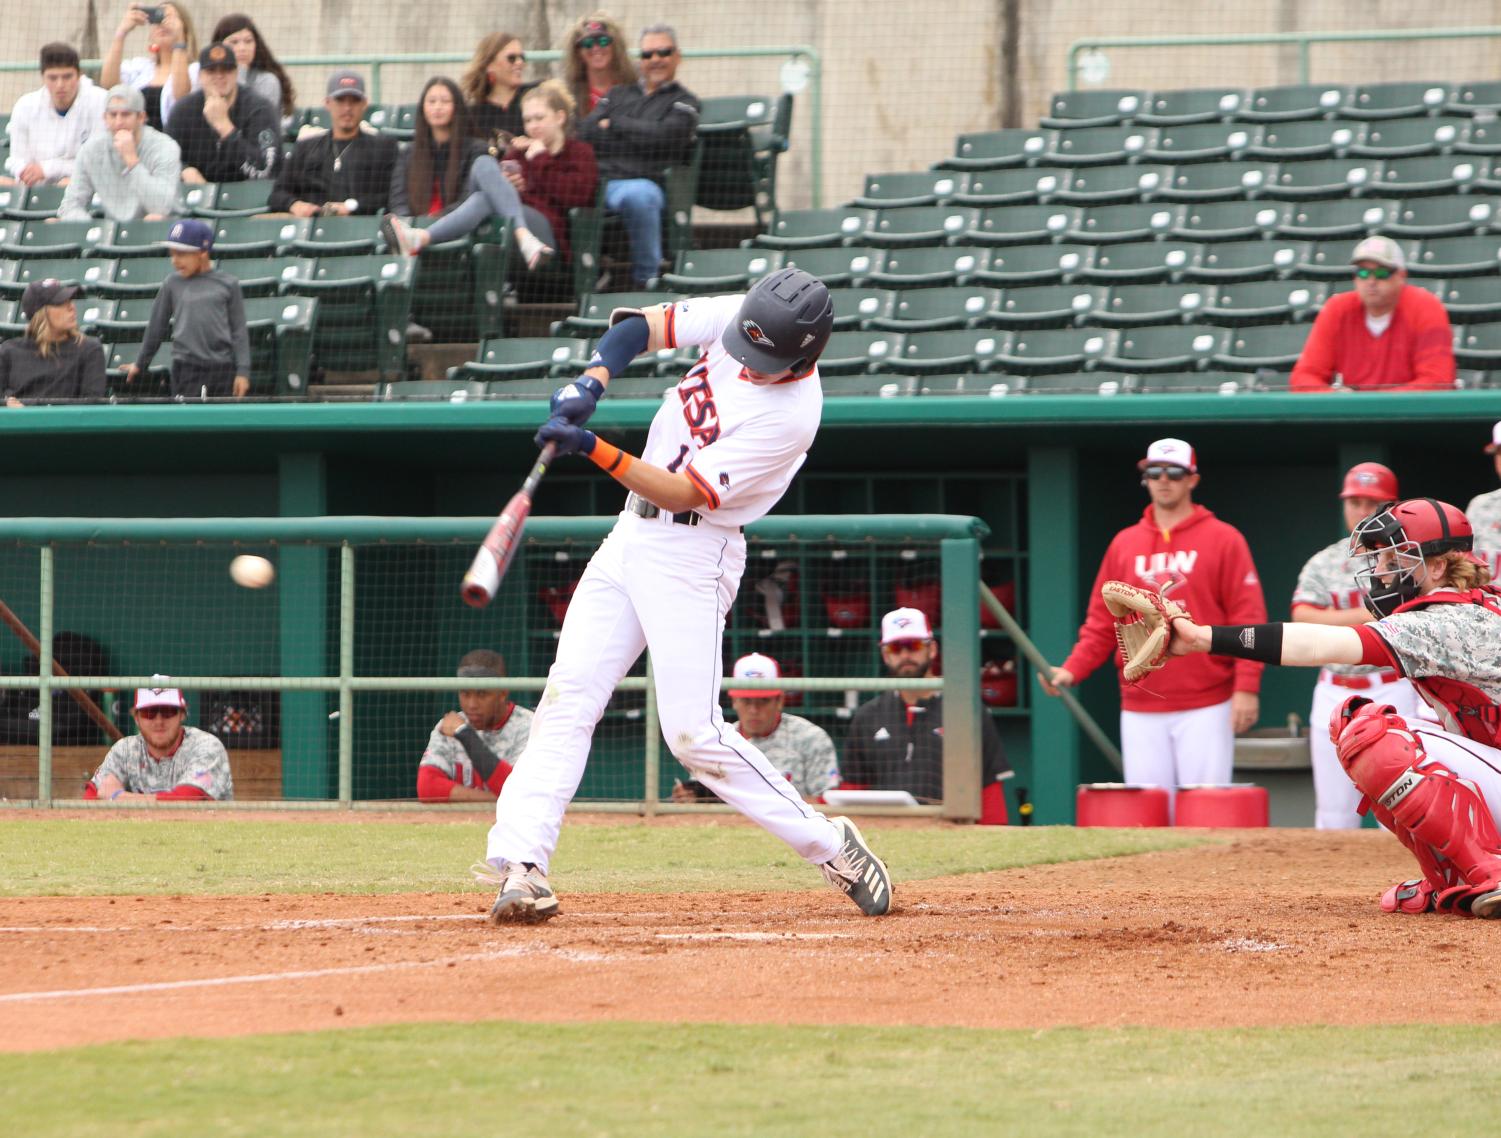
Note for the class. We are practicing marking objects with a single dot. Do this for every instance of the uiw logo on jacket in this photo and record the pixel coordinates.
(1158, 569)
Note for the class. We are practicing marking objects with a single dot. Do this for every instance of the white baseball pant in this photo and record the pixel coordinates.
(1335, 797)
(1178, 748)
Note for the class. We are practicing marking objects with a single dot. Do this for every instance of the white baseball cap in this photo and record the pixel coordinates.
(756, 667)
(1380, 251)
(1172, 452)
(160, 697)
(905, 624)
(1495, 440)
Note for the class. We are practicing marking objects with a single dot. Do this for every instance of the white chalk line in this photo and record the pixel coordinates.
(754, 936)
(304, 924)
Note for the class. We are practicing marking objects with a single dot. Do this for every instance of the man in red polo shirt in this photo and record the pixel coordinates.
(1385, 335)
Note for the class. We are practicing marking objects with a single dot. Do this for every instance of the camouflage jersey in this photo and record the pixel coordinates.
(1327, 581)
(1449, 645)
(507, 742)
(1484, 514)
(803, 752)
(200, 760)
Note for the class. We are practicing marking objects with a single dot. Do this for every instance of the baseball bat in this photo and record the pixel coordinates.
(489, 567)
(80, 697)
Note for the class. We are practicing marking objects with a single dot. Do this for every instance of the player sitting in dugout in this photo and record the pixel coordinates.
(167, 761)
(471, 751)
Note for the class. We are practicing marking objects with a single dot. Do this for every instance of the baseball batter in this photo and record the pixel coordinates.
(1484, 513)
(1327, 593)
(719, 454)
(1437, 788)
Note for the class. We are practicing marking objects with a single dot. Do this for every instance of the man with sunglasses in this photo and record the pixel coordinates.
(895, 740)
(638, 130)
(1383, 335)
(167, 761)
(1178, 726)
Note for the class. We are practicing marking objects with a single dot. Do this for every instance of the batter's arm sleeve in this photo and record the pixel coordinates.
(484, 759)
(1096, 639)
(1244, 603)
(1314, 370)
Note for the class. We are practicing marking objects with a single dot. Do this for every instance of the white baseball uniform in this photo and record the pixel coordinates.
(1484, 515)
(665, 585)
(1327, 581)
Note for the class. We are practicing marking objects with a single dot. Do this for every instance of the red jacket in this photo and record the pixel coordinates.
(1415, 351)
(1217, 584)
(556, 183)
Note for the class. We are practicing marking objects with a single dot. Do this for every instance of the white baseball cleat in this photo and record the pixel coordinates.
(858, 873)
(525, 898)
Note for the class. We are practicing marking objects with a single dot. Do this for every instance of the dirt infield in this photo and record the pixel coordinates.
(1274, 927)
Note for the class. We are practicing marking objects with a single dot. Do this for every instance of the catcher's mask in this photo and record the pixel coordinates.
(1395, 545)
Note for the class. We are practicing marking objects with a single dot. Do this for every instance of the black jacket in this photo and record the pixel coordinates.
(890, 748)
(71, 371)
(647, 133)
(366, 163)
(252, 150)
(399, 202)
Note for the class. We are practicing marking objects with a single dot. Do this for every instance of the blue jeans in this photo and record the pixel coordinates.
(640, 202)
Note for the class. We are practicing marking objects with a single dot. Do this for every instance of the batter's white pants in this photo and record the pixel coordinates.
(1335, 797)
(1178, 748)
(664, 587)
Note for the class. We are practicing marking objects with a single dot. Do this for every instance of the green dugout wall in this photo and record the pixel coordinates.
(1054, 478)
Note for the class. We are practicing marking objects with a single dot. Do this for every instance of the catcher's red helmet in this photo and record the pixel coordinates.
(1397, 540)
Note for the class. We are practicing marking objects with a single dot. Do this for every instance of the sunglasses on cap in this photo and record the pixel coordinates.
(159, 712)
(659, 53)
(1379, 274)
(596, 41)
(1171, 473)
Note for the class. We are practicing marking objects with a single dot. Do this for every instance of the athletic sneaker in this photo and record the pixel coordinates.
(858, 873)
(525, 898)
(1487, 906)
(400, 237)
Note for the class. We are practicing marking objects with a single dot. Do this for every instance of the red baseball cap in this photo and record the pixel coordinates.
(1370, 480)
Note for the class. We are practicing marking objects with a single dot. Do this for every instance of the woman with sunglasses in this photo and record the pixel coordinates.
(167, 761)
(1385, 334)
(447, 175)
(595, 60)
(1179, 725)
(493, 88)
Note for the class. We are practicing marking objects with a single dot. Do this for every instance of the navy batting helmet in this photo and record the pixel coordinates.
(784, 322)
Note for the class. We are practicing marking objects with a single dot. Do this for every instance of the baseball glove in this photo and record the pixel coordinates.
(1143, 626)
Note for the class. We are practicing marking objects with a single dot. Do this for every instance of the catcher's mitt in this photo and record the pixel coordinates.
(1143, 626)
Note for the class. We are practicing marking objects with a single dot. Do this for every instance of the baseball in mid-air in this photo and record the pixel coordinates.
(252, 572)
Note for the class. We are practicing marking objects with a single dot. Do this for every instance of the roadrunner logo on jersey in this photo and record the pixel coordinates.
(754, 333)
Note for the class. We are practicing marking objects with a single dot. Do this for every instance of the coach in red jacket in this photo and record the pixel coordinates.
(1178, 726)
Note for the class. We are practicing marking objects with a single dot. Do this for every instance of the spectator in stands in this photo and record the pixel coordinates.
(441, 159)
(48, 126)
(53, 360)
(167, 761)
(800, 750)
(133, 169)
(895, 741)
(1484, 513)
(168, 70)
(205, 312)
(638, 130)
(493, 88)
(595, 60)
(552, 172)
(345, 164)
(1385, 335)
(472, 751)
(227, 133)
(257, 66)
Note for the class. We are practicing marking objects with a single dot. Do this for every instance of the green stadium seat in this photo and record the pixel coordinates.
(1108, 185)
(1227, 221)
(1200, 142)
(135, 239)
(877, 386)
(1141, 262)
(257, 236)
(155, 384)
(1071, 109)
(524, 388)
(937, 309)
(269, 276)
(1263, 302)
(1104, 384)
(852, 265)
(930, 265)
(399, 120)
(1402, 100)
(1135, 221)
(1287, 104)
(720, 270)
(1483, 98)
(1325, 178)
(652, 387)
(13, 320)
(431, 391)
(31, 204)
(1305, 141)
(1262, 347)
(137, 276)
(1097, 146)
(459, 286)
(861, 307)
(1327, 260)
(1473, 300)
(1437, 174)
(995, 150)
(1350, 218)
(317, 118)
(918, 225)
(740, 138)
(1247, 260)
(364, 306)
(126, 322)
(1478, 346)
(1186, 107)
(1456, 256)
(858, 351)
(924, 353)
(1023, 186)
(1477, 136)
(814, 228)
(340, 236)
(1413, 138)
(238, 199)
(1217, 181)
(196, 198)
(928, 187)
(1163, 347)
(1044, 306)
(281, 340)
(991, 386)
(11, 198)
(522, 357)
(1182, 382)
(1133, 305)
(53, 238)
(1021, 265)
(593, 316)
(94, 274)
(1040, 350)
(1019, 224)
(91, 311)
